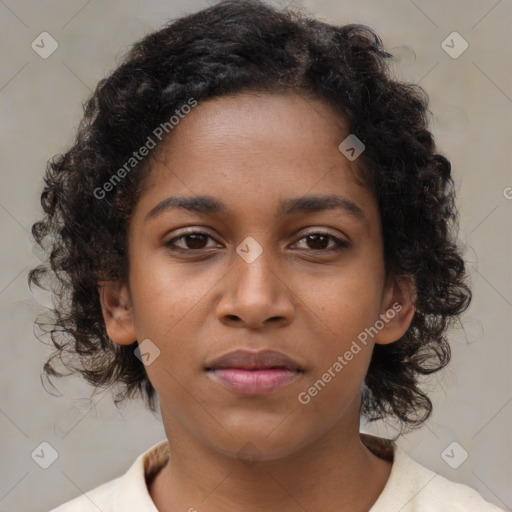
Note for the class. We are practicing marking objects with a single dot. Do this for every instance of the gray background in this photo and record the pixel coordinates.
(40, 107)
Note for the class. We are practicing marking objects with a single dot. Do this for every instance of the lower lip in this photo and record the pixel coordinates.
(254, 382)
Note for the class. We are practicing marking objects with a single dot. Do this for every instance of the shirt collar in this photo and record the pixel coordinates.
(131, 491)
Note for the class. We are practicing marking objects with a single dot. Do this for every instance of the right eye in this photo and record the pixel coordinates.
(193, 241)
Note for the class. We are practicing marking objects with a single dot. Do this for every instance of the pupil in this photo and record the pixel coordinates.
(196, 239)
(316, 237)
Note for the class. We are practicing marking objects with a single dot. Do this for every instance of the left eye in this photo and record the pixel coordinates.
(195, 241)
(321, 238)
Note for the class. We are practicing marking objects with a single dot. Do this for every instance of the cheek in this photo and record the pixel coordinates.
(334, 383)
(165, 294)
(346, 304)
(346, 309)
(170, 305)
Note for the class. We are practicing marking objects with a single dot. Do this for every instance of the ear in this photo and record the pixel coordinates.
(397, 311)
(117, 312)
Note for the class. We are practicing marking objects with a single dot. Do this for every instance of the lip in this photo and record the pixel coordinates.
(245, 359)
(254, 373)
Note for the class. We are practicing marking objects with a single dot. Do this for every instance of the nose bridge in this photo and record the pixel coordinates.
(256, 289)
(254, 267)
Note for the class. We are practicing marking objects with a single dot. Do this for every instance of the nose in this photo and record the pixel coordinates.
(255, 294)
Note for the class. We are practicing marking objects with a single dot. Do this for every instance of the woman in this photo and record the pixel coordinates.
(253, 226)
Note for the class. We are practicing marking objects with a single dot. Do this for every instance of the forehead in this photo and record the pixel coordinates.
(255, 149)
(261, 117)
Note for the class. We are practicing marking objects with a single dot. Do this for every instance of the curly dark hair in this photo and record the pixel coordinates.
(247, 45)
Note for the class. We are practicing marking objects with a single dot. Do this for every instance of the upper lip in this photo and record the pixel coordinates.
(249, 360)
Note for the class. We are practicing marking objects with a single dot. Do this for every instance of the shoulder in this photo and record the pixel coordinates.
(126, 492)
(414, 488)
(100, 497)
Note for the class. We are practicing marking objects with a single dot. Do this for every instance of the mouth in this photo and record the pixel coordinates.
(254, 373)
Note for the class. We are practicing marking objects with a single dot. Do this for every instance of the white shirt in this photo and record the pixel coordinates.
(410, 487)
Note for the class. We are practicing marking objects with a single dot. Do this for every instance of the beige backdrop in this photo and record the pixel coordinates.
(40, 106)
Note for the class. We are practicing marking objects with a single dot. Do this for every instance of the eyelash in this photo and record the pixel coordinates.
(340, 244)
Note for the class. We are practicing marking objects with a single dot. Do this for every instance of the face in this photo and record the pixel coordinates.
(255, 268)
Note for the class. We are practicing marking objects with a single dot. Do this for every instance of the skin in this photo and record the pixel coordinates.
(298, 297)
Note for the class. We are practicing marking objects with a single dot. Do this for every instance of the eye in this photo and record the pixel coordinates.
(321, 240)
(193, 240)
(196, 240)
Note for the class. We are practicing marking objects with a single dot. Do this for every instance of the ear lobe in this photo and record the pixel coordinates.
(117, 312)
(398, 310)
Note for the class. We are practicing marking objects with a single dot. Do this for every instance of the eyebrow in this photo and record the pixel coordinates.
(304, 204)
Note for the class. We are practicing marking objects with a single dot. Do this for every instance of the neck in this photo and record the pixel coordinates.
(336, 472)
